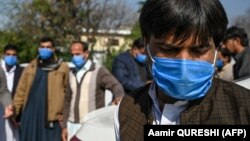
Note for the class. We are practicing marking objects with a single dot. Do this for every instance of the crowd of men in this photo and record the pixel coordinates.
(179, 72)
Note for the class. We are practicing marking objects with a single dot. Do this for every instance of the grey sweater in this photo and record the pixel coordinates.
(88, 95)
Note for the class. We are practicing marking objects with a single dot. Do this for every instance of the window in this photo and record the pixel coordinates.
(113, 42)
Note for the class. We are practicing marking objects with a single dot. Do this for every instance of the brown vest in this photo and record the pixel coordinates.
(226, 103)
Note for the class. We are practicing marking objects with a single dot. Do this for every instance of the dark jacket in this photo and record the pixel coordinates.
(130, 73)
(226, 103)
(241, 68)
(17, 76)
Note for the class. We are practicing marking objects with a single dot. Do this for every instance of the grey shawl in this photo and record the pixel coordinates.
(5, 96)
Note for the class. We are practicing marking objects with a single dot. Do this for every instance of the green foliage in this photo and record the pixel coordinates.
(62, 20)
(38, 18)
(66, 56)
(109, 60)
(26, 47)
(58, 20)
(136, 31)
(111, 54)
(41, 6)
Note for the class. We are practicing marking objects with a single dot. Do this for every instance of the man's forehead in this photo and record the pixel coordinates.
(77, 46)
(46, 43)
(180, 42)
(177, 42)
(11, 51)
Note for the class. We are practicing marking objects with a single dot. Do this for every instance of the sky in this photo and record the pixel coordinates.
(233, 8)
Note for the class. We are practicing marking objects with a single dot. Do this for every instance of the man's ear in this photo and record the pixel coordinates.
(53, 49)
(86, 54)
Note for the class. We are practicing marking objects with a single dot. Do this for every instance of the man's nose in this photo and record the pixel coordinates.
(184, 54)
(223, 46)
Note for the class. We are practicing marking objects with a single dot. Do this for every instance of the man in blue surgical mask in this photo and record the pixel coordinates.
(224, 65)
(181, 37)
(39, 96)
(12, 72)
(131, 68)
(11, 67)
(87, 84)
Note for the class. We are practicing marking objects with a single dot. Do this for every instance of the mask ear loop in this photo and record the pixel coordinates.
(215, 57)
(149, 54)
(151, 58)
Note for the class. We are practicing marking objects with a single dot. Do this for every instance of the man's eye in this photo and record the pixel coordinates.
(11, 54)
(200, 50)
(168, 49)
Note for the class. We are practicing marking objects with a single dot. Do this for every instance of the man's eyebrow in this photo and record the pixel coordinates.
(167, 45)
(11, 54)
(197, 46)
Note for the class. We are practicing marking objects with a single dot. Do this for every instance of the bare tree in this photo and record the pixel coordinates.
(244, 22)
(118, 15)
(64, 20)
(67, 20)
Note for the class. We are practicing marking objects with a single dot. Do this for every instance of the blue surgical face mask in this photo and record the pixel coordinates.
(219, 63)
(78, 61)
(141, 58)
(182, 79)
(10, 60)
(45, 53)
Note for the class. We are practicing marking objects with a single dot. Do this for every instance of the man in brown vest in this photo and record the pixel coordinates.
(181, 39)
(86, 92)
(39, 96)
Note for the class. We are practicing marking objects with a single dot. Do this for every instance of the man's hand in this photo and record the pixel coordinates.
(8, 111)
(64, 134)
(116, 100)
(60, 119)
(149, 81)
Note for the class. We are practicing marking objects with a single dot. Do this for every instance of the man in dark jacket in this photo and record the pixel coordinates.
(130, 67)
(12, 72)
(181, 37)
(11, 67)
(236, 41)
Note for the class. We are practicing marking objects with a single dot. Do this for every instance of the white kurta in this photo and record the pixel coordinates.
(11, 133)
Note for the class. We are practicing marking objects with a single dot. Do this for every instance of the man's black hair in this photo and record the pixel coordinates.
(10, 47)
(204, 19)
(47, 39)
(237, 32)
(225, 53)
(138, 43)
(84, 44)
